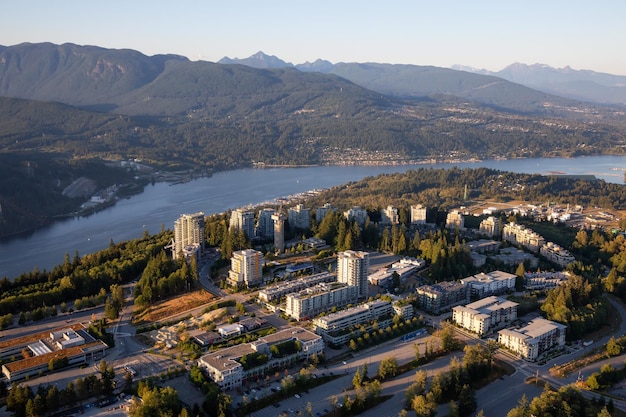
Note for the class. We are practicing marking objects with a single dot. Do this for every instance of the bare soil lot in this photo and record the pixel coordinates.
(172, 307)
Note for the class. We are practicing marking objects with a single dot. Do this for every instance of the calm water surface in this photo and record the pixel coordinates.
(160, 204)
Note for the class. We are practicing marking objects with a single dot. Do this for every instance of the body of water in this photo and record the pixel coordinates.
(161, 204)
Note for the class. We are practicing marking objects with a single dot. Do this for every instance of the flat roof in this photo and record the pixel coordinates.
(227, 358)
(33, 337)
(57, 354)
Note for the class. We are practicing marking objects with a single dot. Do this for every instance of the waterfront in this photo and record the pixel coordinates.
(160, 204)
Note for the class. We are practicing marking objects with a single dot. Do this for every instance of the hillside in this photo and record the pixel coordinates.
(174, 113)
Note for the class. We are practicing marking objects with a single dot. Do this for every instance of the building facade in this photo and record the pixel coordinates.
(529, 342)
(320, 298)
(517, 234)
(321, 212)
(188, 235)
(299, 217)
(226, 366)
(389, 216)
(358, 214)
(279, 231)
(246, 268)
(491, 227)
(338, 328)
(273, 293)
(418, 214)
(556, 254)
(243, 220)
(490, 283)
(265, 224)
(484, 315)
(352, 269)
(455, 220)
(441, 297)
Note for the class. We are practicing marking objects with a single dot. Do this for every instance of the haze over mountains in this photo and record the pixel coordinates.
(582, 85)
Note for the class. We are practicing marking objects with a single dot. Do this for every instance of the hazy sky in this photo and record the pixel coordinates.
(483, 34)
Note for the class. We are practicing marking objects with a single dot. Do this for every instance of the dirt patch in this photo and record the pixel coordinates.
(173, 306)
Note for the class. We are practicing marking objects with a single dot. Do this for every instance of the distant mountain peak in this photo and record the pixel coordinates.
(259, 60)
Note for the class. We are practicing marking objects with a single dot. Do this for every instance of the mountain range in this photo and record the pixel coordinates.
(584, 85)
(64, 103)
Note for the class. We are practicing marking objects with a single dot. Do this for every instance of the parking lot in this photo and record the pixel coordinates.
(145, 365)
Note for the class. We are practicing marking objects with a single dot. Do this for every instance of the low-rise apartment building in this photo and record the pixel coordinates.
(544, 280)
(226, 369)
(529, 342)
(275, 292)
(490, 283)
(405, 267)
(482, 316)
(322, 297)
(556, 254)
(339, 327)
(518, 234)
(441, 297)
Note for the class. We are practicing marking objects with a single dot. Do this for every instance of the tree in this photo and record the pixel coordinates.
(467, 400)
(423, 407)
(416, 349)
(447, 334)
(353, 345)
(522, 409)
(613, 348)
(453, 409)
(110, 312)
(357, 380)
(388, 368)
(364, 372)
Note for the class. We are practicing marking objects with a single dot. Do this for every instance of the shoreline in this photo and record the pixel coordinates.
(179, 178)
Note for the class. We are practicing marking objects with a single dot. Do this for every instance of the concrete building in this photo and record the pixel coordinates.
(544, 280)
(357, 214)
(279, 231)
(73, 344)
(352, 269)
(299, 217)
(274, 293)
(484, 315)
(440, 298)
(321, 212)
(455, 220)
(243, 220)
(491, 227)
(389, 216)
(418, 214)
(246, 268)
(404, 310)
(225, 366)
(405, 267)
(529, 342)
(478, 259)
(230, 330)
(312, 301)
(485, 284)
(513, 256)
(483, 246)
(558, 255)
(338, 328)
(188, 235)
(265, 224)
(517, 234)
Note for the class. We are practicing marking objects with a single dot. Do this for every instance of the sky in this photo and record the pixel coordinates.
(478, 33)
